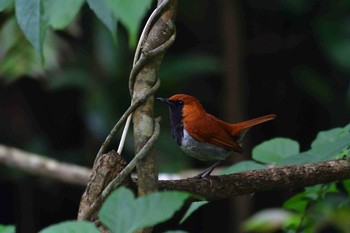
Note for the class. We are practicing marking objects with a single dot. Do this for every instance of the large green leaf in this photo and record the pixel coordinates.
(124, 213)
(325, 137)
(105, 14)
(130, 13)
(331, 144)
(275, 150)
(243, 166)
(7, 229)
(60, 13)
(71, 227)
(29, 18)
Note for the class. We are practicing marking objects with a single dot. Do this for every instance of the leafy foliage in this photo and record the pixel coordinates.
(35, 17)
(275, 150)
(330, 144)
(130, 13)
(133, 214)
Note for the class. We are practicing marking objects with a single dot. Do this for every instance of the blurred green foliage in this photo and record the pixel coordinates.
(87, 47)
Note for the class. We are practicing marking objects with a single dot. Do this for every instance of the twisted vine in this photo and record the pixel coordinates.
(140, 59)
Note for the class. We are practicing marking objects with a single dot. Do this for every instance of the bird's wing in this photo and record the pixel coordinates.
(209, 129)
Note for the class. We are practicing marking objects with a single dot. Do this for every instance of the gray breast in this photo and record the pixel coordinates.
(202, 150)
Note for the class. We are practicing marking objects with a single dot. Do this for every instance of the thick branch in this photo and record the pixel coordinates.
(287, 177)
(43, 166)
(217, 187)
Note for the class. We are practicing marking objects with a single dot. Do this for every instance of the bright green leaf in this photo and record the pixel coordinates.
(243, 166)
(275, 150)
(71, 227)
(105, 14)
(29, 18)
(122, 212)
(193, 207)
(7, 229)
(130, 13)
(298, 202)
(60, 13)
(4, 4)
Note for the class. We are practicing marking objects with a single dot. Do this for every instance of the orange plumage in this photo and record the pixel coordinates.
(202, 135)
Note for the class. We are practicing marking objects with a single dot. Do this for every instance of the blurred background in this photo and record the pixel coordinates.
(241, 59)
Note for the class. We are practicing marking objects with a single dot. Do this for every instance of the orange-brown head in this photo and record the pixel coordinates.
(191, 107)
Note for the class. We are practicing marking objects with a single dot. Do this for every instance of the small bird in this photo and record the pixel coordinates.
(203, 136)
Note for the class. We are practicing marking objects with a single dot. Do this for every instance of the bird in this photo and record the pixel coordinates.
(204, 136)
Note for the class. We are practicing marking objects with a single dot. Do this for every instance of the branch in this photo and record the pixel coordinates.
(286, 177)
(43, 166)
(214, 188)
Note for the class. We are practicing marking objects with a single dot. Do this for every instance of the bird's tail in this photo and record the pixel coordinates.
(241, 127)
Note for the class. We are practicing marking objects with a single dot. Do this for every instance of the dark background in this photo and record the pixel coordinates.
(241, 59)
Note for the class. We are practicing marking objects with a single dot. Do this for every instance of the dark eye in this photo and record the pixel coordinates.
(180, 102)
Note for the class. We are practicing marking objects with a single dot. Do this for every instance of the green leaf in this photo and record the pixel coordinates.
(130, 13)
(327, 151)
(71, 227)
(29, 18)
(275, 150)
(105, 14)
(297, 202)
(121, 212)
(193, 207)
(243, 166)
(7, 229)
(4, 4)
(325, 137)
(60, 13)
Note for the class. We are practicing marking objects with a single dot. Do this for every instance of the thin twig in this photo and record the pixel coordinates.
(126, 171)
(132, 108)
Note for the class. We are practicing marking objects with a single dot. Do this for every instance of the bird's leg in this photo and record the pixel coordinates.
(207, 171)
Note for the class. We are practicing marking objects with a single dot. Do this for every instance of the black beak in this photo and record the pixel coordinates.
(165, 100)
